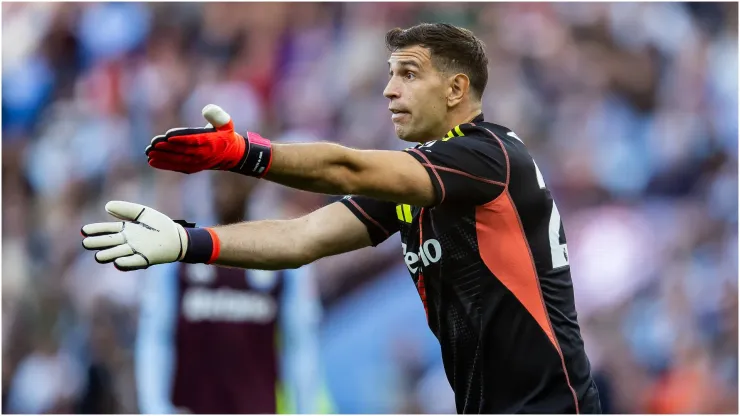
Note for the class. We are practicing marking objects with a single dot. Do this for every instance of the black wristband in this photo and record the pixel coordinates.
(200, 246)
(258, 157)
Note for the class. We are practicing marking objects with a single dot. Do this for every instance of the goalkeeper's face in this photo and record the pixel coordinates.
(418, 95)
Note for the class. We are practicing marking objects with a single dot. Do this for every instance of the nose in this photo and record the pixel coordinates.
(391, 90)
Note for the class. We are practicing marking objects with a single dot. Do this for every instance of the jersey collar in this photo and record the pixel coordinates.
(477, 119)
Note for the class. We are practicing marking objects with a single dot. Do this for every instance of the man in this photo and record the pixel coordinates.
(481, 235)
(226, 340)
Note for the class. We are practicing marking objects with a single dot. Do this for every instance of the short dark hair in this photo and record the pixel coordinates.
(453, 49)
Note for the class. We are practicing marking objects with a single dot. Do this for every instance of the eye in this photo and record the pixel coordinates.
(410, 75)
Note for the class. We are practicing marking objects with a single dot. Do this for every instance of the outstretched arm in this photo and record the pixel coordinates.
(317, 167)
(334, 169)
(146, 237)
(288, 244)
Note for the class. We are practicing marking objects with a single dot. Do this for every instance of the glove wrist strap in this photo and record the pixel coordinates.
(203, 246)
(257, 158)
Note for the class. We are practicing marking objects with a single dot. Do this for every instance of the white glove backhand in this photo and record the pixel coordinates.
(145, 237)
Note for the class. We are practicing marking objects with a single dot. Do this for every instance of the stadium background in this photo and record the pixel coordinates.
(629, 109)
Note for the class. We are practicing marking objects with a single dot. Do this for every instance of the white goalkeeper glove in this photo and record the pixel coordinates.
(146, 237)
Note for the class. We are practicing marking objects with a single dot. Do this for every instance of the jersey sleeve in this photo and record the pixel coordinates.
(378, 216)
(471, 169)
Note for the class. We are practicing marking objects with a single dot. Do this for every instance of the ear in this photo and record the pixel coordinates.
(458, 89)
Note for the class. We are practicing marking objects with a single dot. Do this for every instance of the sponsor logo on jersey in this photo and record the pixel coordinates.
(430, 252)
(199, 273)
(227, 305)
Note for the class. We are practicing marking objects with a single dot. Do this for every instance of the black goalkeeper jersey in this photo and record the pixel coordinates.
(490, 262)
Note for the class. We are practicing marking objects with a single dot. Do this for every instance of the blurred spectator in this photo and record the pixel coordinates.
(226, 340)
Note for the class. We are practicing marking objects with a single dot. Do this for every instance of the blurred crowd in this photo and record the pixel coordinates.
(630, 110)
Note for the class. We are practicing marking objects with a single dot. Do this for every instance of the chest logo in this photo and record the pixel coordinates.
(429, 253)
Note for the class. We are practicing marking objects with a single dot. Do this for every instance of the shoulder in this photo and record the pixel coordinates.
(490, 131)
(496, 139)
(472, 140)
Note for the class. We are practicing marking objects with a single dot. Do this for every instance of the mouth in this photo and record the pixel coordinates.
(398, 114)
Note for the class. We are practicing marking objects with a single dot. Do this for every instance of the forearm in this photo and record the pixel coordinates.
(265, 245)
(289, 244)
(315, 167)
(337, 170)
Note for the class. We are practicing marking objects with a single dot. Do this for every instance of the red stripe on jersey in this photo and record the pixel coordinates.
(420, 286)
(369, 218)
(512, 263)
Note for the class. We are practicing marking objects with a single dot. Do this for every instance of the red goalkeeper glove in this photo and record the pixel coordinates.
(214, 147)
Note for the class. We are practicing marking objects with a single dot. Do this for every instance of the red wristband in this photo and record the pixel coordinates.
(216, 250)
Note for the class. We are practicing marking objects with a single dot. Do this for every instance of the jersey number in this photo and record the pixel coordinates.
(558, 247)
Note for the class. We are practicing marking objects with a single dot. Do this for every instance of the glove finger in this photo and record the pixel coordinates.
(158, 139)
(175, 147)
(106, 256)
(187, 131)
(177, 158)
(154, 142)
(133, 262)
(103, 241)
(176, 166)
(217, 117)
(101, 228)
(171, 168)
(191, 140)
(194, 160)
(125, 210)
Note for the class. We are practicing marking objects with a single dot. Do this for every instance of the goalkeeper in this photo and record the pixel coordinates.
(481, 235)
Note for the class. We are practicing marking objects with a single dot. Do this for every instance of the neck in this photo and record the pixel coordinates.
(462, 116)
